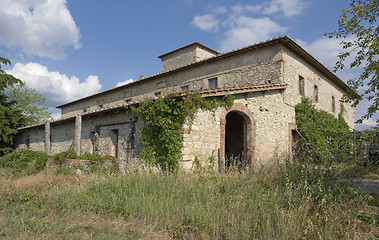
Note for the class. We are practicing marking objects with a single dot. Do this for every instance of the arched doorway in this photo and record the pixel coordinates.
(238, 138)
(235, 140)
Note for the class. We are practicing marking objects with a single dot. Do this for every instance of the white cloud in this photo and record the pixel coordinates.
(207, 22)
(247, 24)
(289, 8)
(326, 50)
(124, 82)
(218, 10)
(55, 113)
(40, 27)
(279, 8)
(369, 122)
(57, 88)
(250, 30)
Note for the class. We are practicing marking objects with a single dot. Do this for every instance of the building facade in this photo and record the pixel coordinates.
(267, 80)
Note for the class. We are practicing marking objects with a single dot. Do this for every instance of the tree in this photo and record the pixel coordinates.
(9, 116)
(19, 106)
(359, 21)
(29, 102)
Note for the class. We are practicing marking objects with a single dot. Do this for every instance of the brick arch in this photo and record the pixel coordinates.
(250, 130)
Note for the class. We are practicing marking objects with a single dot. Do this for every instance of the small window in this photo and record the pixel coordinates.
(333, 104)
(157, 94)
(301, 85)
(161, 85)
(315, 93)
(212, 83)
(185, 88)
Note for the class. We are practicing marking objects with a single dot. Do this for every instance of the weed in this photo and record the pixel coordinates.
(280, 201)
(28, 162)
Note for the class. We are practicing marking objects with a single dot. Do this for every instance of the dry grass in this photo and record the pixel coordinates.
(268, 203)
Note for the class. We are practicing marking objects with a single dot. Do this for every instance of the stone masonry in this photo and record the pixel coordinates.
(267, 79)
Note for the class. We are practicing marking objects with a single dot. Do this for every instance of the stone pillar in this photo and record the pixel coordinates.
(78, 133)
(47, 137)
(221, 161)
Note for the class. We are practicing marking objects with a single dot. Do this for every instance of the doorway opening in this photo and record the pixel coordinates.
(235, 140)
(114, 144)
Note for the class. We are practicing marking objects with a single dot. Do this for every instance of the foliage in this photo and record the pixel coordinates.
(290, 201)
(359, 21)
(29, 102)
(163, 121)
(71, 154)
(9, 115)
(60, 157)
(24, 161)
(19, 106)
(328, 138)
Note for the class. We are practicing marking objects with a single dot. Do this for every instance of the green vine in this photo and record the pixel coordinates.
(327, 138)
(163, 119)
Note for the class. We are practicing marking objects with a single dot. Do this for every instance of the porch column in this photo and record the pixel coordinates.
(78, 133)
(47, 137)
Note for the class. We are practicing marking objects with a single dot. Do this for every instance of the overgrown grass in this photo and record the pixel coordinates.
(291, 201)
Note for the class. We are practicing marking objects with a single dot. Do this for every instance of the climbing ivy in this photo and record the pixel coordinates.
(326, 138)
(163, 119)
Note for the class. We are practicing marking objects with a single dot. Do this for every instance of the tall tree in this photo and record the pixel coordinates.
(359, 21)
(29, 102)
(9, 116)
(19, 106)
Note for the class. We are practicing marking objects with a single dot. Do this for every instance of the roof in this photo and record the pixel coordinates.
(219, 92)
(284, 40)
(195, 44)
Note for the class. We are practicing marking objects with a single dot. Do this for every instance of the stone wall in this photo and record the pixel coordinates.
(293, 67)
(243, 70)
(113, 133)
(268, 116)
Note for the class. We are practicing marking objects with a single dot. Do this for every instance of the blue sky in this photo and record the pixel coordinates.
(71, 49)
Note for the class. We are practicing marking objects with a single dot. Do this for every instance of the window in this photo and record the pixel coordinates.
(301, 85)
(157, 94)
(333, 104)
(161, 85)
(212, 83)
(185, 88)
(315, 93)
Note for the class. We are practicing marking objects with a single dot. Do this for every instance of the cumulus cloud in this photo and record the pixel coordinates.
(250, 30)
(277, 8)
(207, 22)
(124, 82)
(288, 8)
(247, 24)
(218, 10)
(326, 50)
(40, 27)
(57, 88)
(369, 122)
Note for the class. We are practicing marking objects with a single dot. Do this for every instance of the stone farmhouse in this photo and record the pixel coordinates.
(267, 79)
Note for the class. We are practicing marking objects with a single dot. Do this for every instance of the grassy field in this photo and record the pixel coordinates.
(290, 201)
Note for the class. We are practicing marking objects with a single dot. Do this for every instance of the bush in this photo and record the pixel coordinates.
(327, 138)
(26, 161)
(60, 157)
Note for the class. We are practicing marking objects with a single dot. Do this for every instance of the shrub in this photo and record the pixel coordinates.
(327, 138)
(24, 161)
(60, 157)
